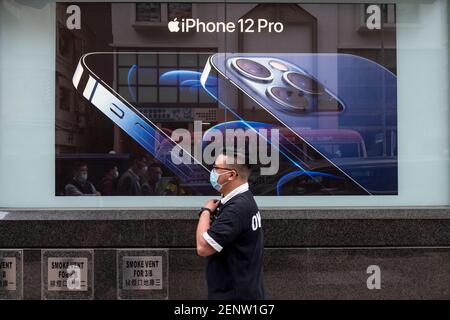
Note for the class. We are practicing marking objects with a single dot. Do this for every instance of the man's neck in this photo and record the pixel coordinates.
(239, 188)
(230, 187)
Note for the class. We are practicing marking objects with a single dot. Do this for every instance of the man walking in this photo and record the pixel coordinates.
(233, 242)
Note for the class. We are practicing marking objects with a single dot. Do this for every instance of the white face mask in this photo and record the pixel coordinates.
(116, 174)
(83, 177)
(213, 179)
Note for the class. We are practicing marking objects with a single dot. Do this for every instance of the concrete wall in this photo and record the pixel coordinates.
(309, 253)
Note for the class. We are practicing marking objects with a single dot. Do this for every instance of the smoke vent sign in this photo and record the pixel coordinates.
(8, 274)
(67, 274)
(142, 272)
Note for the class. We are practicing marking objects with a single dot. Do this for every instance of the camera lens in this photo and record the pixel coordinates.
(292, 99)
(252, 69)
(303, 82)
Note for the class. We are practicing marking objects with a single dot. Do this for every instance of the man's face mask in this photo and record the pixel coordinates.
(82, 177)
(214, 177)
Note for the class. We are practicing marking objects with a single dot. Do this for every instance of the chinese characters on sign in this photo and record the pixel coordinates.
(62, 276)
(142, 272)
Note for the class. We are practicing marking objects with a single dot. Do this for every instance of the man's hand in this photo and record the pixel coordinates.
(212, 204)
(203, 247)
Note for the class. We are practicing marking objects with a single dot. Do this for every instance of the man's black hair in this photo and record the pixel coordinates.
(243, 169)
(78, 164)
(238, 154)
(110, 165)
(137, 157)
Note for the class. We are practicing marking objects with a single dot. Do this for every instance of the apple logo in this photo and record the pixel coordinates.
(173, 25)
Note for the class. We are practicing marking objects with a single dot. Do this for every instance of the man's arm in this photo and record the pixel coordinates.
(95, 192)
(71, 190)
(204, 249)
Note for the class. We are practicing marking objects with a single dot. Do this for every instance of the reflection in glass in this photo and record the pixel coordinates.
(168, 94)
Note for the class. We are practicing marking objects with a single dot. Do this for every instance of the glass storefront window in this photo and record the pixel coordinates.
(374, 134)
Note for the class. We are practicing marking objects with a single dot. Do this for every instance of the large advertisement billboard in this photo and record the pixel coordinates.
(148, 94)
